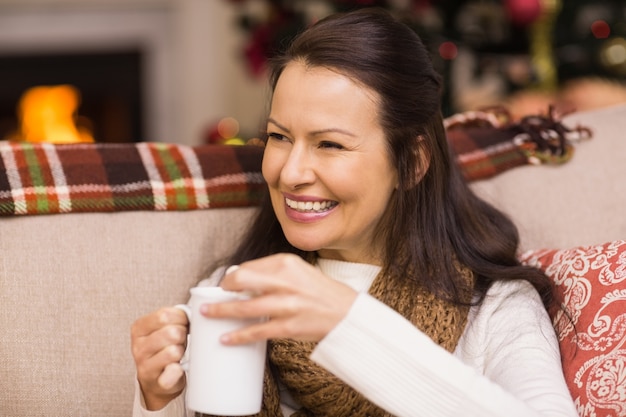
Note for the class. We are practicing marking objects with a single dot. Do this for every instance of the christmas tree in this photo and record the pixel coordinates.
(487, 50)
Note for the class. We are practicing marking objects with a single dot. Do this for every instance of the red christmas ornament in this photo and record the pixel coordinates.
(523, 12)
(256, 51)
(448, 50)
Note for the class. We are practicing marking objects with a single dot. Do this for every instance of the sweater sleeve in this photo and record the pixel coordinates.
(506, 364)
(175, 408)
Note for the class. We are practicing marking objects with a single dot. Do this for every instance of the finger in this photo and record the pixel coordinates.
(150, 369)
(270, 305)
(231, 269)
(276, 273)
(171, 376)
(157, 380)
(249, 334)
(147, 346)
(272, 262)
(287, 314)
(165, 316)
(273, 329)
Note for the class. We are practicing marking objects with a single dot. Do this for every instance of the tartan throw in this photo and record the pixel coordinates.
(484, 152)
(487, 143)
(47, 179)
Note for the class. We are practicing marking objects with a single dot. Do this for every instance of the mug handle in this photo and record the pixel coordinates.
(185, 309)
(184, 362)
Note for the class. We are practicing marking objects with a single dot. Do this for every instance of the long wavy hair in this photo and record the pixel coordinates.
(433, 219)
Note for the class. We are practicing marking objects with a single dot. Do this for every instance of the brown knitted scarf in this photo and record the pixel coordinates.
(322, 394)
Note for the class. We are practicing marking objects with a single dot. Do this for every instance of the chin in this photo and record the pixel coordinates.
(307, 247)
(301, 242)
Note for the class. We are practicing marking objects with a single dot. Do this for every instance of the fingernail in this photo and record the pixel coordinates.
(205, 309)
(232, 268)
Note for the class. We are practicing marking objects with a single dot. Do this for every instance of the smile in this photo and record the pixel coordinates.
(310, 206)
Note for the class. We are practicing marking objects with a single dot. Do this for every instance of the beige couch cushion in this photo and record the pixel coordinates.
(72, 284)
(580, 202)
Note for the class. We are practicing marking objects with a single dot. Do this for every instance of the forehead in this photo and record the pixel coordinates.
(321, 90)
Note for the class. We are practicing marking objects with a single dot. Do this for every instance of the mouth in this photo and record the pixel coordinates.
(310, 206)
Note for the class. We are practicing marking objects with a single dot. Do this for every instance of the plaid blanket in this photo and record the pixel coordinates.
(487, 143)
(47, 178)
(483, 152)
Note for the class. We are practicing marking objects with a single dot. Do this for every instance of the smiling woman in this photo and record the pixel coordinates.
(391, 289)
(335, 154)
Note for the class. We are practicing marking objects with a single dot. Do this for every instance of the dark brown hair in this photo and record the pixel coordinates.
(434, 219)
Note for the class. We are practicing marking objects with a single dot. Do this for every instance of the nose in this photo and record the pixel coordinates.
(299, 168)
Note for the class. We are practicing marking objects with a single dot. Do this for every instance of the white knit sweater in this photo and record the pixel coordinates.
(506, 363)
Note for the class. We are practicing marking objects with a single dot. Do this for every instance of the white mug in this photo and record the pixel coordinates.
(221, 379)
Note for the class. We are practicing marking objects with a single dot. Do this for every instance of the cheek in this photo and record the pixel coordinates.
(382, 176)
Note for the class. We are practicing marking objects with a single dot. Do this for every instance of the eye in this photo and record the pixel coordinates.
(276, 136)
(330, 145)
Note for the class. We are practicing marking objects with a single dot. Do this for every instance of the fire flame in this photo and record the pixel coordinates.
(47, 114)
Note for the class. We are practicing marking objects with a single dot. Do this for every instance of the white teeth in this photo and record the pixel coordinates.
(310, 205)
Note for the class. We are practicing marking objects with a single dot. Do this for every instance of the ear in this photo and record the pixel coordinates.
(422, 159)
(421, 155)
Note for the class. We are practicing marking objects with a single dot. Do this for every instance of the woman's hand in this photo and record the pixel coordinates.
(158, 343)
(300, 302)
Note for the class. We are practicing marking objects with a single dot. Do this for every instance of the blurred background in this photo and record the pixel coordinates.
(193, 71)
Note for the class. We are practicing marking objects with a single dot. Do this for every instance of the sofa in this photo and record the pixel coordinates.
(99, 235)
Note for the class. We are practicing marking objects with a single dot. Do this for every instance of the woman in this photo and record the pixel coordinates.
(382, 273)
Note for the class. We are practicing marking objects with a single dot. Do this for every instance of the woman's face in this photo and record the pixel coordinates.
(326, 163)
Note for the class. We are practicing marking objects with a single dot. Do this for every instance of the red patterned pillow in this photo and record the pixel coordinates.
(591, 281)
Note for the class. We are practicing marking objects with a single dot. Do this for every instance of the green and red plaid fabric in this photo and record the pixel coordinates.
(48, 179)
(487, 143)
(485, 152)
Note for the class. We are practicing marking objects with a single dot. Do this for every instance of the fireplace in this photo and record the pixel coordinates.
(186, 53)
(118, 55)
(109, 86)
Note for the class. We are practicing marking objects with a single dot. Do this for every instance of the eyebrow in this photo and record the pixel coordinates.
(315, 132)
